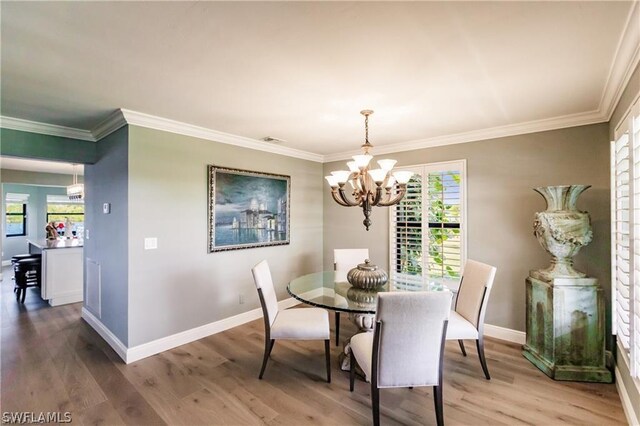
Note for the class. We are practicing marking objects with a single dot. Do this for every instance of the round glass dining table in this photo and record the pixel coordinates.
(330, 290)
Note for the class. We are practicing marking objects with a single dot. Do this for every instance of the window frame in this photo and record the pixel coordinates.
(424, 170)
(24, 218)
(65, 214)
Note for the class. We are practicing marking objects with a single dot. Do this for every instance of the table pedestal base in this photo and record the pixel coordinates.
(365, 323)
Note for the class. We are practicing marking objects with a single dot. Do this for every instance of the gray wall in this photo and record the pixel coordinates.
(107, 181)
(501, 203)
(180, 286)
(36, 216)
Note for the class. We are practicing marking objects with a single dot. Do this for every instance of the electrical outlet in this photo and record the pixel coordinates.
(241, 299)
(86, 234)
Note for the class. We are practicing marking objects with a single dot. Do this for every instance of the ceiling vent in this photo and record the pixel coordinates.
(271, 139)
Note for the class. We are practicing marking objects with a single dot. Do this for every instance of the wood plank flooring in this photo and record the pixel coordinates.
(51, 360)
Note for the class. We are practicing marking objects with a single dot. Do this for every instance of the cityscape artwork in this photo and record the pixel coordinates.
(247, 209)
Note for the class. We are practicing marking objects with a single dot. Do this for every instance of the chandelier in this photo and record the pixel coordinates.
(368, 184)
(75, 191)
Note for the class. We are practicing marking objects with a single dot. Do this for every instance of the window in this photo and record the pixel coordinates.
(625, 236)
(66, 213)
(427, 228)
(16, 215)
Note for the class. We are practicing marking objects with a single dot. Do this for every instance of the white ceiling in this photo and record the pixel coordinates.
(302, 71)
(39, 166)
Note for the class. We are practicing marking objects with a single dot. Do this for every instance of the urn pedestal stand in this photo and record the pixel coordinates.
(565, 308)
(565, 328)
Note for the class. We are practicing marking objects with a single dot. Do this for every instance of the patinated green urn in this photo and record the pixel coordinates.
(562, 230)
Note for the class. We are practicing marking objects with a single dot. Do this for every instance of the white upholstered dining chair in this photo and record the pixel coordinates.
(467, 318)
(406, 349)
(343, 261)
(289, 324)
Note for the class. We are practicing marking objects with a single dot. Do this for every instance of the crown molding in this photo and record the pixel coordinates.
(554, 123)
(45, 129)
(172, 126)
(624, 63)
(113, 122)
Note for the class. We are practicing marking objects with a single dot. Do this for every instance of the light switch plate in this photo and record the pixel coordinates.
(106, 208)
(150, 243)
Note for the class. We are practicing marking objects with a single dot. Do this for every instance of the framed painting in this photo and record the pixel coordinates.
(247, 209)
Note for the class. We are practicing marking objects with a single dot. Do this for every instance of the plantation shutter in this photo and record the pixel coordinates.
(621, 238)
(625, 237)
(634, 290)
(427, 227)
(406, 230)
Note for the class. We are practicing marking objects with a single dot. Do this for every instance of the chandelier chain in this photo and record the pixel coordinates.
(366, 129)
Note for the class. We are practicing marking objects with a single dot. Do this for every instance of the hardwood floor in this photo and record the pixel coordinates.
(53, 361)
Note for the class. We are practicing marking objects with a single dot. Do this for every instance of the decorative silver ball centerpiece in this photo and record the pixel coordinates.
(367, 276)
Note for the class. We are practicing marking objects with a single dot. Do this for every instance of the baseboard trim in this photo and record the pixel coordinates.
(157, 346)
(165, 343)
(105, 333)
(71, 297)
(627, 407)
(507, 334)
(153, 347)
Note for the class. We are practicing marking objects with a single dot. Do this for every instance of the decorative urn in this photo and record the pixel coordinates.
(562, 230)
(367, 276)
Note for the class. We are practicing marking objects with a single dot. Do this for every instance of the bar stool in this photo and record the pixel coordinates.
(18, 257)
(27, 274)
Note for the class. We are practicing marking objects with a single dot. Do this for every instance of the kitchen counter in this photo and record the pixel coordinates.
(56, 244)
(61, 271)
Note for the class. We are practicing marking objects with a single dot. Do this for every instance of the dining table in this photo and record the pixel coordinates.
(331, 290)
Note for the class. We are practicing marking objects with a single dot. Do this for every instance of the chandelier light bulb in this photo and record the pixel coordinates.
(390, 182)
(387, 164)
(333, 181)
(402, 176)
(362, 160)
(378, 175)
(342, 176)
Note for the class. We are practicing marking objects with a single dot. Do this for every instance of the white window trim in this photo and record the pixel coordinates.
(435, 167)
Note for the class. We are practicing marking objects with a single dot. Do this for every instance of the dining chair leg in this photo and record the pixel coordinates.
(337, 328)
(461, 342)
(268, 346)
(352, 372)
(375, 403)
(483, 361)
(437, 400)
(327, 355)
(24, 294)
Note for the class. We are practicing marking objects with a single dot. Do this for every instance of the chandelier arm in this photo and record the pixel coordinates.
(336, 198)
(378, 197)
(396, 199)
(343, 197)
